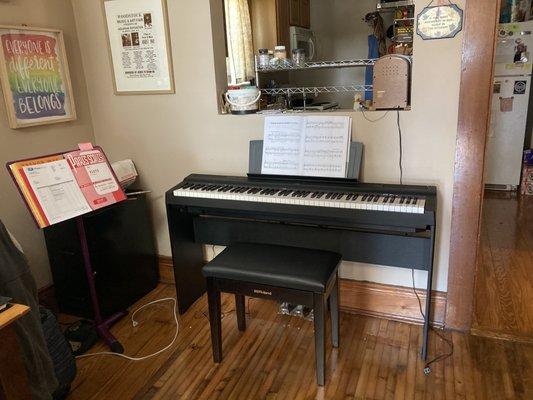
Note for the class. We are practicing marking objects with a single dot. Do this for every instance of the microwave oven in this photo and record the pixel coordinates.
(302, 38)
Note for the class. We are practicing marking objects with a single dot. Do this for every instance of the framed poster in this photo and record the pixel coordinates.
(35, 77)
(139, 46)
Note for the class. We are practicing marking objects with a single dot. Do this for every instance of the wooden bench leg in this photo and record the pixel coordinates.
(213, 299)
(334, 310)
(319, 309)
(240, 311)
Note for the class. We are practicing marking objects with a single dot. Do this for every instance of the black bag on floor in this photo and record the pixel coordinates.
(60, 353)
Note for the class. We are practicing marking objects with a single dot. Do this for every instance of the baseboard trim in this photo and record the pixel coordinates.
(166, 270)
(396, 303)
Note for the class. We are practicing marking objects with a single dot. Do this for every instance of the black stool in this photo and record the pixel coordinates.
(287, 274)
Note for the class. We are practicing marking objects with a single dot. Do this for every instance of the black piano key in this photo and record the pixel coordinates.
(392, 199)
(408, 201)
(186, 186)
(349, 197)
(355, 197)
(320, 195)
(402, 200)
(376, 198)
(328, 196)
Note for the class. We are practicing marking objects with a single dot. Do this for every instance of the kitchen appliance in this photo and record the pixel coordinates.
(391, 82)
(243, 100)
(302, 38)
(510, 100)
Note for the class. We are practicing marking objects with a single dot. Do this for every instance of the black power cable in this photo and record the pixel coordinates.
(444, 356)
(401, 146)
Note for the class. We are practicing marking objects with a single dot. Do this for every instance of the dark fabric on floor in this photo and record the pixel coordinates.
(16, 281)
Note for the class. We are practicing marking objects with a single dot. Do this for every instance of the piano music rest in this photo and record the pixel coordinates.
(286, 274)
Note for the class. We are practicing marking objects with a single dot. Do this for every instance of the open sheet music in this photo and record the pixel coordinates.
(306, 146)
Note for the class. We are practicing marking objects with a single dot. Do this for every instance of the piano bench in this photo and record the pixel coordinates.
(286, 274)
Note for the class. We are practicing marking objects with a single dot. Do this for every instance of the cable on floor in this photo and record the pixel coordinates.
(134, 324)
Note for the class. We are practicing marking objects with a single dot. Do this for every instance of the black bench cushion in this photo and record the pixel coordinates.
(289, 267)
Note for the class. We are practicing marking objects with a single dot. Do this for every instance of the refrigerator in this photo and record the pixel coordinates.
(510, 101)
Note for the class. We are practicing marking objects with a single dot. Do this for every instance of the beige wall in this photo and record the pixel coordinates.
(170, 136)
(28, 142)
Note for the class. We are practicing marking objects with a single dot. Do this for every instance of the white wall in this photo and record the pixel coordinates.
(170, 136)
(40, 140)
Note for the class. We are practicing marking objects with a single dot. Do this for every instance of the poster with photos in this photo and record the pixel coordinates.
(139, 46)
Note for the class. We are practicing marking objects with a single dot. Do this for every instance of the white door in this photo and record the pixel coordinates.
(505, 143)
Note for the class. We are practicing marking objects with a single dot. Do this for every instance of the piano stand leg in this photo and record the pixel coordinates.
(427, 316)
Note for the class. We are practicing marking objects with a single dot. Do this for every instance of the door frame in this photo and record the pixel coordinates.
(481, 18)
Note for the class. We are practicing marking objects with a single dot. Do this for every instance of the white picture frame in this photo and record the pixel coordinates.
(139, 46)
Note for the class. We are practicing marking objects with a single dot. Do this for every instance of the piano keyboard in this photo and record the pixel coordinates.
(359, 201)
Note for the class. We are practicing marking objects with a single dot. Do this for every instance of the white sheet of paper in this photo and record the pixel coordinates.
(306, 146)
(282, 145)
(325, 148)
(57, 190)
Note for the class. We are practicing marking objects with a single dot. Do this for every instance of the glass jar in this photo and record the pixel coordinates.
(280, 53)
(298, 57)
(263, 59)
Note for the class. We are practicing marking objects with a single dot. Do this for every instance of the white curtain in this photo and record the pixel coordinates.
(239, 40)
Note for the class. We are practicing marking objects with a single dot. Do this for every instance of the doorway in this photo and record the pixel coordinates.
(504, 273)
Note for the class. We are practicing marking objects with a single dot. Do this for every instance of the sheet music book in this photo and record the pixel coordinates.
(306, 145)
(64, 186)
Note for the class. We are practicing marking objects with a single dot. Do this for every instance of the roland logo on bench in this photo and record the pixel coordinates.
(259, 291)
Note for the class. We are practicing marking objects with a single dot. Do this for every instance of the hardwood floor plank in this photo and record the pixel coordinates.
(504, 279)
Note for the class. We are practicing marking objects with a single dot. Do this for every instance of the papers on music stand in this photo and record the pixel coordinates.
(306, 146)
(63, 186)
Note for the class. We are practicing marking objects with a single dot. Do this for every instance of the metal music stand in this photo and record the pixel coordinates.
(102, 325)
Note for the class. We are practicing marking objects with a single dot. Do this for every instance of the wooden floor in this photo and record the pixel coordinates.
(274, 359)
(504, 279)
